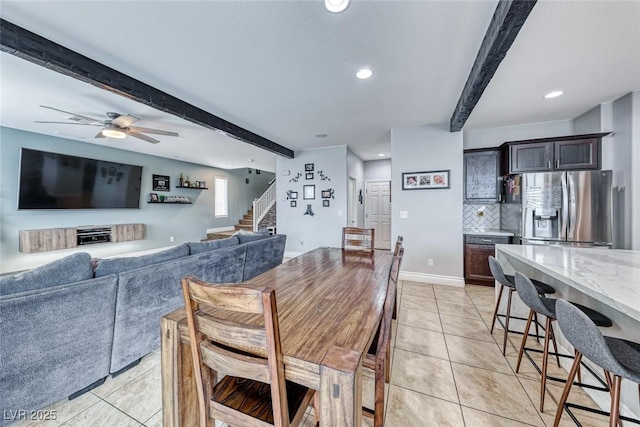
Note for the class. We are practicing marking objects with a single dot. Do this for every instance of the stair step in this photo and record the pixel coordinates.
(248, 217)
(246, 222)
(244, 227)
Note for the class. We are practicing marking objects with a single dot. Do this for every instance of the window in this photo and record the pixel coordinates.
(221, 207)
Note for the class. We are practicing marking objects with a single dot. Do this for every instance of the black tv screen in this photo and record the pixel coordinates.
(60, 181)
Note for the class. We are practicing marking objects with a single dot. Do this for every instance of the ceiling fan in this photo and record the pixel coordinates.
(117, 126)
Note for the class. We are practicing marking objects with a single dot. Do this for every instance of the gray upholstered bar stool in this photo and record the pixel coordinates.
(615, 355)
(528, 293)
(509, 282)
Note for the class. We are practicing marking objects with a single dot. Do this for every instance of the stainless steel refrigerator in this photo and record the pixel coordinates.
(573, 208)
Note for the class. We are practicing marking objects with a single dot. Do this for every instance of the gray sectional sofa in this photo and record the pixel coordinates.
(67, 325)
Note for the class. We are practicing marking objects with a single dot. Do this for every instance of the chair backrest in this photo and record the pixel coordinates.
(498, 273)
(395, 266)
(389, 304)
(248, 349)
(354, 238)
(398, 245)
(529, 295)
(585, 337)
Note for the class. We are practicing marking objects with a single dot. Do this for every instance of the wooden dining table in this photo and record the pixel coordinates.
(329, 304)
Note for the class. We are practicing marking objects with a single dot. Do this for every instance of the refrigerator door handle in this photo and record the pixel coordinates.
(571, 233)
(565, 207)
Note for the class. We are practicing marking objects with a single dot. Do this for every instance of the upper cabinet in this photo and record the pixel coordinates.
(481, 175)
(576, 152)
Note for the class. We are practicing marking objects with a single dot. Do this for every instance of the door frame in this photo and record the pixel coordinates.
(352, 207)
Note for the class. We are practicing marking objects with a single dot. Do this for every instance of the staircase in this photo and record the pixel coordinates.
(246, 223)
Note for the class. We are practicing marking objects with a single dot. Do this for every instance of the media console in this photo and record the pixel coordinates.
(53, 239)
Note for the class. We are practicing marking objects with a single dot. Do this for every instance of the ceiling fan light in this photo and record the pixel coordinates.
(113, 133)
(336, 6)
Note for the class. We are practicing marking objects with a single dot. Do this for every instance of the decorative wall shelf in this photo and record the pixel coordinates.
(192, 188)
(170, 203)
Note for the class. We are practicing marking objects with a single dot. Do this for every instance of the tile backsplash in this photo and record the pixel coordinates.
(489, 221)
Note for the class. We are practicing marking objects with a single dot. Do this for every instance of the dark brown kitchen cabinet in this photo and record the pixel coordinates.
(477, 249)
(481, 176)
(575, 152)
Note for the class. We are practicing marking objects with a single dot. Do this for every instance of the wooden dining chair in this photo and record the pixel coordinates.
(378, 357)
(396, 252)
(254, 392)
(358, 239)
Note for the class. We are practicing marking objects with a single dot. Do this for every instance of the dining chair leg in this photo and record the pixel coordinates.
(524, 339)
(495, 312)
(615, 401)
(378, 406)
(545, 362)
(316, 407)
(506, 322)
(567, 389)
(387, 362)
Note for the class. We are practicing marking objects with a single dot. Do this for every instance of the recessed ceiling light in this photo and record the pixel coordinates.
(251, 160)
(553, 94)
(321, 135)
(336, 6)
(365, 73)
(381, 155)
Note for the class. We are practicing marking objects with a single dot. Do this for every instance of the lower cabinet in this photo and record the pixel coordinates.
(476, 258)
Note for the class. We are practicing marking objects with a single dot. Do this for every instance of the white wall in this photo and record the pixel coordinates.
(355, 169)
(635, 179)
(433, 228)
(377, 170)
(589, 122)
(183, 222)
(305, 232)
(493, 137)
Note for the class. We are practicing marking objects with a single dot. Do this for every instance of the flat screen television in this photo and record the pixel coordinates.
(59, 181)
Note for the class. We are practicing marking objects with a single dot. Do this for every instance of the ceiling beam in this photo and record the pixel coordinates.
(508, 19)
(39, 50)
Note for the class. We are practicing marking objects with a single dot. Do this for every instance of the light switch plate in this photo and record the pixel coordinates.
(404, 214)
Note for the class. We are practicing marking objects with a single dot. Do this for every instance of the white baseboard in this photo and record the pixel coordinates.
(219, 229)
(433, 279)
(289, 254)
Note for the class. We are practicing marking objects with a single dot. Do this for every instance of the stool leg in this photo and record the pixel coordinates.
(524, 338)
(506, 323)
(555, 348)
(607, 376)
(580, 371)
(545, 361)
(615, 401)
(567, 389)
(495, 312)
(535, 317)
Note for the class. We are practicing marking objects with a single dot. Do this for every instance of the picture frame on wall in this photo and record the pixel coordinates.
(309, 192)
(308, 167)
(153, 198)
(293, 195)
(160, 182)
(325, 203)
(432, 180)
(293, 203)
(308, 175)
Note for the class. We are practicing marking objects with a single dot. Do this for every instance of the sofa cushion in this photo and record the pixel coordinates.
(108, 266)
(263, 255)
(245, 236)
(72, 268)
(210, 245)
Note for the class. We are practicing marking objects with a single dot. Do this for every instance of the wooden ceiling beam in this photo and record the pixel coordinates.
(22, 43)
(508, 19)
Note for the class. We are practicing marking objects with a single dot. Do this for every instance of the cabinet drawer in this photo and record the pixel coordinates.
(487, 240)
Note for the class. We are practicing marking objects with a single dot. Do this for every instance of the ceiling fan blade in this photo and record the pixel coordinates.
(100, 135)
(124, 121)
(73, 114)
(68, 123)
(152, 131)
(141, 136)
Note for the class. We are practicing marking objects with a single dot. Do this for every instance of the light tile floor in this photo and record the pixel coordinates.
(447, 370)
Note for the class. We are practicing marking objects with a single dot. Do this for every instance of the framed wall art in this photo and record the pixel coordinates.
(160, 182)
(432, 180)
(308, 167)
(308, 192)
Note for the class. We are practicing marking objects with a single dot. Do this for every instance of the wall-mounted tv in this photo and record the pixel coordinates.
(59, 181)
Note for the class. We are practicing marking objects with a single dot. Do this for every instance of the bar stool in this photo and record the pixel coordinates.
(509, 282)
(528, 293)
(615, 355)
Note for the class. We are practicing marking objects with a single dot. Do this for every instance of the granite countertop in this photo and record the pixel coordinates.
(486, 232)
(608, 275)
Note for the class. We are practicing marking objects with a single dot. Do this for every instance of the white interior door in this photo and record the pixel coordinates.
(351, 204)
(378, 212)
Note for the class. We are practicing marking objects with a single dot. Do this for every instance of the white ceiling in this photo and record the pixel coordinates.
(286, 69)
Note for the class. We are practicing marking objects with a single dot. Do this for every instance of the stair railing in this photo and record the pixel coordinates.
(262, 204)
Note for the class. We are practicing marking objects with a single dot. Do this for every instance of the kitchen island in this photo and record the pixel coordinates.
(607, 280)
